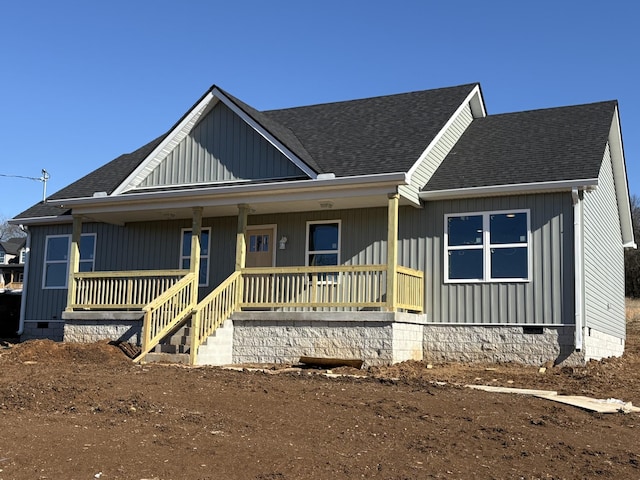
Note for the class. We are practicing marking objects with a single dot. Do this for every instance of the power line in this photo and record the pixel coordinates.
(45, 176)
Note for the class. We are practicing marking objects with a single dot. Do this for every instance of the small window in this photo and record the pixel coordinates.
(185, 257)
(23, 256)
(258, 243)
(323, 243)
(56, 258)
(487, 247)
(2, 257)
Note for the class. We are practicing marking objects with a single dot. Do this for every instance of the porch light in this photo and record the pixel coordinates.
(282, 243)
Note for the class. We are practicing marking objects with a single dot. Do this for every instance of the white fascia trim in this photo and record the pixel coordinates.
(385, 181)
(474, 93)
(620, 180)
(270, 138)
(42, 220)
(174, 137)
(516, 188)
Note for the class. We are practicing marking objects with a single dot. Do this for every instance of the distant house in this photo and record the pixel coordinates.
(12, 259)
(409, 226)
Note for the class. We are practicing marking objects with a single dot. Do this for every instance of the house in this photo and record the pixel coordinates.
(408, 226)
(12, 258)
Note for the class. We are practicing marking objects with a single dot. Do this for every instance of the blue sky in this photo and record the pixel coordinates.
(83, 82)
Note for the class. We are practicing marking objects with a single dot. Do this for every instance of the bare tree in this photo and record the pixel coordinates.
(8, 230)
(632, 257)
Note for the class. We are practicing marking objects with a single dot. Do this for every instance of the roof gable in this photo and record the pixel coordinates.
(186, 134)
(221, 148)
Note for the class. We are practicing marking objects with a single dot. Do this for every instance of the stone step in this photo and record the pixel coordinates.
(153, 357)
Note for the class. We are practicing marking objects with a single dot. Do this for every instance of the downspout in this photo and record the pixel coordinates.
(25, 280)
(578, 270)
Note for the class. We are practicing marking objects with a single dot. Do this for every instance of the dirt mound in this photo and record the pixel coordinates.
(60, 353)
(86, 411)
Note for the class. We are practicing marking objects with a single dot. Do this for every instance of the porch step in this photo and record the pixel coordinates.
(155, 357)
(218, 348)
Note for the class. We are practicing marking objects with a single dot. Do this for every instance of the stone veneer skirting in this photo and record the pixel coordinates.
(495, 344)
(377, 338)
(86, 327)
(598, 345)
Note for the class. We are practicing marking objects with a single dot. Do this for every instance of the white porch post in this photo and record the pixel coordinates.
(74, 261)
(392, 252)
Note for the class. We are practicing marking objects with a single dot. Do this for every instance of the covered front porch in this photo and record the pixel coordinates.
(167, 299)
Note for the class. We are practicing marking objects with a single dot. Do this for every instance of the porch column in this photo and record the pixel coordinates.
(392, 251)
(74, 260)
(241, 244)
(194, 261)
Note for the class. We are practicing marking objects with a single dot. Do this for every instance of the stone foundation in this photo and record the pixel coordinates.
(598, 345)
(45, 329)
(377, 338)
(88, 327)
(496, 344)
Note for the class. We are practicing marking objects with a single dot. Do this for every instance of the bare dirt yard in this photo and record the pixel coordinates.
(87, 412)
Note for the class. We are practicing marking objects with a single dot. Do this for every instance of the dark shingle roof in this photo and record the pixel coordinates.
(555, 144)
(104, 179)
(373, 135)
(13, 245)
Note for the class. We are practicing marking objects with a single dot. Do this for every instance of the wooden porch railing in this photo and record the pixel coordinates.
(410, 289)
(167, 311)
(124, 290)
(213, 310)
(341, 286)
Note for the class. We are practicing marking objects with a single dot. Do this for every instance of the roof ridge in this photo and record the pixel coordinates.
(547, 109)
(362, 99)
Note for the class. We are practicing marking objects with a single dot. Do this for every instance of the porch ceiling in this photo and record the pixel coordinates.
(140, 212)
(295, 196)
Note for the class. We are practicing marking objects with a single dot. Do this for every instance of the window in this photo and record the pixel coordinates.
(23, 256)
(258, 243)
(56, 258)
(323, 246)
(487, 247)
(2, 257)
(185, 256)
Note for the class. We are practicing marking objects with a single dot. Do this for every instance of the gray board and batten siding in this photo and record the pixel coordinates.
(603, 256)
(221, 148)
(547, 299)
(136, 246)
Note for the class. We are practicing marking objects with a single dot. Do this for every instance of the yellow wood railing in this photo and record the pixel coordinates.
(167, 312)
(213, 310)
(124, 290)
(410, 289)
(342, 286)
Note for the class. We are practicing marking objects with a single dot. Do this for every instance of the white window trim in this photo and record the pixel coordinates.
(207, 256)
(66, 277)
(486, 247)
(308, 252)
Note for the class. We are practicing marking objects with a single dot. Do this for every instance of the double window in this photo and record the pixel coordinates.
(185, 254)
(487, 247)
(56, 258)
